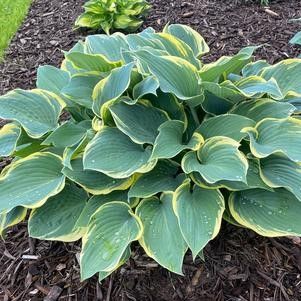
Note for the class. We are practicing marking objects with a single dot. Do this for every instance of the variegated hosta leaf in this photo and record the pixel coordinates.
(226, 91)
(116, 155)
(189, 36)
(29, 182)
(91, 62)
(111, 87)
(52, 79)
(37, 111)
(68, 134)
(124, 258)
(11, 218)
(148, 85)
(176, 48)
(108, 46)
(254, 180)
(169, 142)
(92, 181)
(175, 75)
(254, 68)
(199, 213)
(111, 229)
(164, 177)
(267, 213)
(263, 108)
(276, 135)
(160, 225)
(279, 171)
(286, 73)
(77, 150)
(257, 86)
(226, 65)
(96, 201)
(227, 125)
(139, 121)
(57, 218)
(218, 159)
(80, 88)
(9, 135)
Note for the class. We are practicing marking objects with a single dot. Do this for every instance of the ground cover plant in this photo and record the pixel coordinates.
(113, 14)
(11, 15)
(159, 147)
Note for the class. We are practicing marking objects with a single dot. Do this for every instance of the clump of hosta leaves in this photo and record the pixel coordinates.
(113, 14)
(159, 148)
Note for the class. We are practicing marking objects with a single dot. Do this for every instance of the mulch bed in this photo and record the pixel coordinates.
(240, 265)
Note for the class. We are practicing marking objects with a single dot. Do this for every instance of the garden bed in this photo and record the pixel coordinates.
(239, 265)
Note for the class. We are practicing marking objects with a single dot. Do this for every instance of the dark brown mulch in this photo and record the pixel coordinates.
(239, 265)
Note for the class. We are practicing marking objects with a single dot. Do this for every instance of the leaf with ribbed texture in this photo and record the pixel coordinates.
(148, 85)
(52, 79)
(175, 75)
(29, 182)
(11, 218)
(226, 91)
(124, 258)
(276, 135)
(96, 201)
(268, 213)
(37, 111)
(254, 180)
(93, 181)
(254, 68)
(217, 160)
(111, 87)
(226, 65)
(9, 135)
(68, 134)
(263, 108)
(164, 177)
(199, 213)
(169, 142)
(191, 37)
(109, 46)
(278, 171)
(256, 86)
(176, 47)
(286, 73)
(120, 156)
(111, 229)
(91, 62)
(56, 219)
(139, 121)
(80, 88)
(162, 239)
(228, 125)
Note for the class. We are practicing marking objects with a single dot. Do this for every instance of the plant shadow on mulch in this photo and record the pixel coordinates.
(240, 265)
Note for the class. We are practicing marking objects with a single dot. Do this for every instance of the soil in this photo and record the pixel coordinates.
(239, 265)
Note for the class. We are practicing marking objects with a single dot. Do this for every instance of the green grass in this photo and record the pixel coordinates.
(12, 13)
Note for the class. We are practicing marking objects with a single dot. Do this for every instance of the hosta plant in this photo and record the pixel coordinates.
(159, 148)
(113, 14)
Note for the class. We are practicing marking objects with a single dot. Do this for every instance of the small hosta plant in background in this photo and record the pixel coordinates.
(159, 147)
(113, 14)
